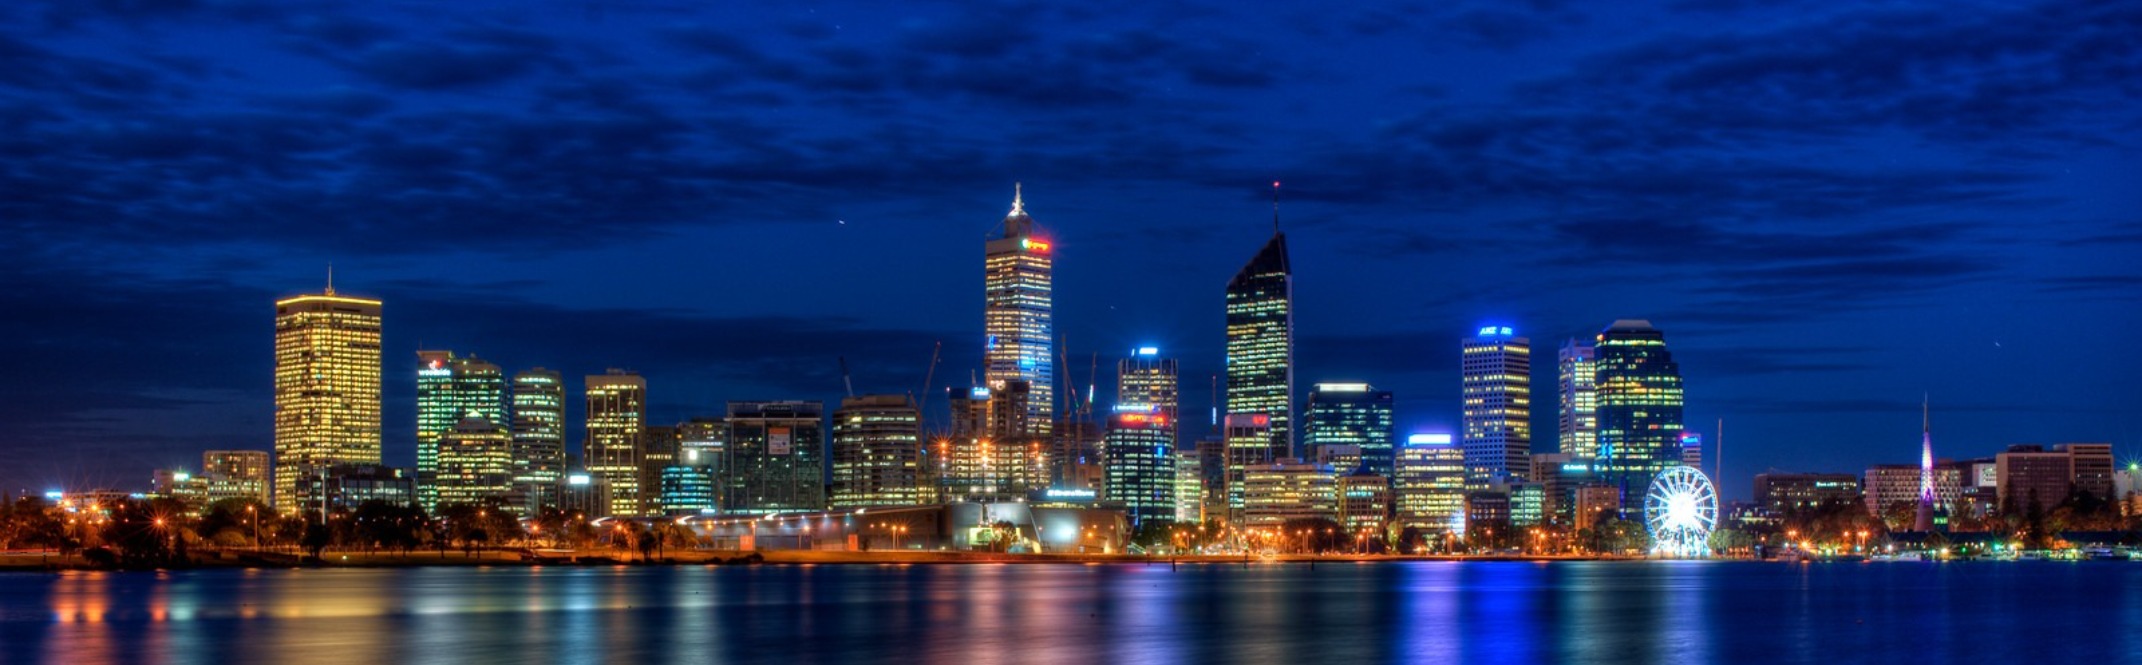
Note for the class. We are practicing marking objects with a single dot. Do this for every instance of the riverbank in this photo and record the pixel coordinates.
(600, 557)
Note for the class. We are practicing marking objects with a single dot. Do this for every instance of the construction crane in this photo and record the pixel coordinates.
(845, 379)
(930, 378)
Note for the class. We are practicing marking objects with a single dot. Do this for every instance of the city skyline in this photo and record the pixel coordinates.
(1810, 303)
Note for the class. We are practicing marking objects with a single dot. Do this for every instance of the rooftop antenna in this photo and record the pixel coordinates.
(330, 279)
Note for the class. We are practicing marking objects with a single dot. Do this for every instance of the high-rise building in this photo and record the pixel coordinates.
(1288, 489)
(1146, 379)
(659, 447)
(774, 463)
(1897, 486)
(1189, 487)
(1020, 334)
(1496, 370)
(327, 374)
(986, 458)
(1138, 457)
(690, 483)
(1639, 389)
(2093, 467)
(2031, 474)
(1429, 491)
(1351, 414)
(450, 390)
(244, 466)
(475, 463)
(1260, 344)
(538, 448)
(700, 442)
(1345, 458)
(1577, 410)
(1692, 449)
(877, 452)
(617, 422)
(1249, 442)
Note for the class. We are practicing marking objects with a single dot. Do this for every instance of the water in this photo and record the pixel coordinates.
(1605, 612)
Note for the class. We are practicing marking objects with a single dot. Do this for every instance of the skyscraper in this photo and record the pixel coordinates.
(327, 373)
(774, 459)
(1139, 460)
(538, 448)
(1260, 343)
(1578, 409)
(1351, 414)
(1639, 389)
(450, 390)
(1019, 342)
(1496, 370)
(877, 452)
(1145, 378)
(617, 416)
(1249, 443)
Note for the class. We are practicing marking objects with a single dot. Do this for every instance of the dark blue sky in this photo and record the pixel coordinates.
(1830, 209)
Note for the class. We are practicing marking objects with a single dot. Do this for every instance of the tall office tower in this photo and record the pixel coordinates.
(1350, 414)
(2093, 468)
(451, 389)
(1019, 342)
(1364, 504)
(688, 483)
(617, 417)
(1139, 458)
(1212, 473)
(1639, 389)
(1692, 450)
(774, 460)
(475, 463)
(1260, 343)
(1289, 489)
(1497, 373)
(326, 390)
(877, 452)
(1429, 491)
(1249, 443)
(538, 439)
(1189, 487)
(1578, 409)
(700, 442)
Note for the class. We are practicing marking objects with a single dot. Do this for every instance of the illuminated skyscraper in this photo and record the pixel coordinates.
(1139, 459)
(1145, 378)
(1640, 399)
(774, 459)
(1578, 409)
(1429, 491)
(985, 459)
(617, 416)
(327, 375)
(538, 448)
(1351, 414)
(449, 390)
(1260, 343)
(475, 462)
(1496, 370)
(1019, 343)
(877, 452)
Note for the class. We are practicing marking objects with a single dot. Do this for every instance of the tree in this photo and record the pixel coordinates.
(316, 539)
(1313, 534)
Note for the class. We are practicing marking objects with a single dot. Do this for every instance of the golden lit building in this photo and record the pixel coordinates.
(1018, 317)
(475, 462)
(327, 376)
(1288, 489)
(617, 416)
(1429, 491)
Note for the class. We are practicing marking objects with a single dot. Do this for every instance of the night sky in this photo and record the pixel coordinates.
(1831, 210)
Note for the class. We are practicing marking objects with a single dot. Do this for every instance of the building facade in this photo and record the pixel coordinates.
(774, 457)
(1640, 401)
(877, 452)
(1784, 493)
(1138, 457)
(616, 433)
(1351, 414)
(1495, 371)
(1288, 489)
(1017, 315)
(538, 446)
(1260, 345)
(327, 391)
(475, 465)
(1577, 410)
(450, 390)
(1429, 491)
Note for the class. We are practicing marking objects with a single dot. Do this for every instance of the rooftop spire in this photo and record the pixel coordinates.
(1926, 420)
(330, 279)
(1018, 205)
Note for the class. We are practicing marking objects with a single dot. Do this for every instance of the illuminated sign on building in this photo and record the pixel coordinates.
(578, 479)
(1428, 440)
(1496, 331)
(1342, 387)
(1036, 245)
(1148, 351)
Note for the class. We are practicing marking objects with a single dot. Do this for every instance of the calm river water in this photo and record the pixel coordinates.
(1609, 612)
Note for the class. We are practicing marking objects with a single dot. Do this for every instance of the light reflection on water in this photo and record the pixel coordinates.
(1335, 613)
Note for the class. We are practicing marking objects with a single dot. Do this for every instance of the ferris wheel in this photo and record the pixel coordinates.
(1680, 509)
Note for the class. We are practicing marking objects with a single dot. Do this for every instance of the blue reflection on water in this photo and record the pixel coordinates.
(1334, 613)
